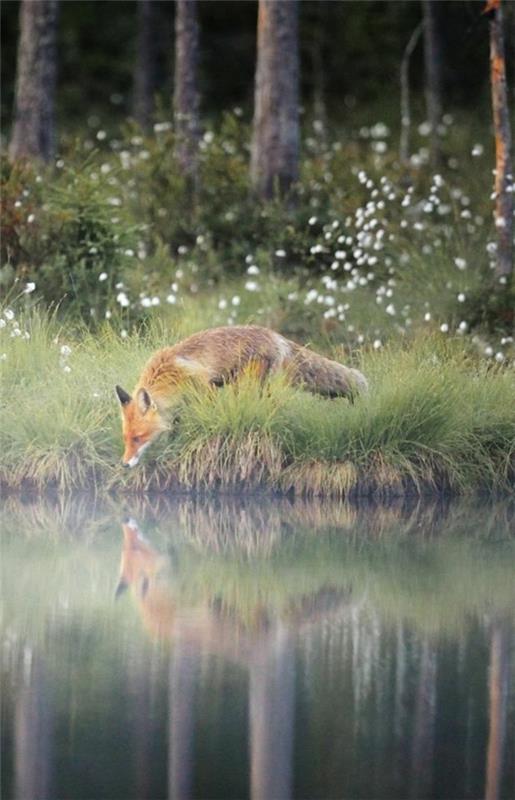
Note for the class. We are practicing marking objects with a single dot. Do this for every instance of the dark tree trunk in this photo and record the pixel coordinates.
(275, 141)
(433, 81)
(36, 72)
(186, 95)
(503, 178)
(145, 72)
(499, 680)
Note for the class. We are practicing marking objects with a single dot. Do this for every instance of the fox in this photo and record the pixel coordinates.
(213, 358)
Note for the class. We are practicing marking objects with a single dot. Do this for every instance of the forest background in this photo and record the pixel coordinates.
(153, 209)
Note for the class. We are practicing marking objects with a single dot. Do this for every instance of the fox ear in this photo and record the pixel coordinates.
(144, 401)
(123, 396)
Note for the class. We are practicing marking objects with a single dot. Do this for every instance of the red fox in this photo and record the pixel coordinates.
(215, 357)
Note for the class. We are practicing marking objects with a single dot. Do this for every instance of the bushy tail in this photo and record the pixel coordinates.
(326, 377)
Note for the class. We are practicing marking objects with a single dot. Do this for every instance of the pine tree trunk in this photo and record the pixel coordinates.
(36, 73)
(432, 61)
(275, 142)
(503, 178)
(145, 72)
(186, 95)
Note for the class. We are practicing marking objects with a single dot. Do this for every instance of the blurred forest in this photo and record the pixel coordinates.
(350, 53)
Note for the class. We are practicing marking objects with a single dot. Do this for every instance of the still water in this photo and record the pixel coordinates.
(259, 648)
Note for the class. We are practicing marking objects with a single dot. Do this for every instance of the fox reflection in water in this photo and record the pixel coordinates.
(263, 644)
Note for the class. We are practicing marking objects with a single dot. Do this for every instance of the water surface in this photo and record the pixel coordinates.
(260, 648)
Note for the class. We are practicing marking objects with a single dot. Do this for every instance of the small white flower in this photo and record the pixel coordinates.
(236, 300)
(65, 350)
(312, 221)
(253, 270)
(182, 249)
(101, 135)
(29, 287)
(67, 368)
(460, 263)
(31, 218)
(461, 297)
(463, 326)
(280, 253)
(477, 150)
(102, 276)
(172, 299)
(390, 309)
(161, 127)
(444, 327)
(427, 316)
(123, 333)
(129, 252)
(222, 304)
(489, 351)
(499, 357)
(122, 299)
(377, 344)
(251, 286)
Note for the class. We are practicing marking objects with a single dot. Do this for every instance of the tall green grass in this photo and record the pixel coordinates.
(435, 419)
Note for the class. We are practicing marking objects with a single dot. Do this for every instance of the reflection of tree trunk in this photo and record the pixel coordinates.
(432, 76)
(180, 722)
(139, 685)
(424, 723)
(272, 716)
(499, 682)
(33, 734)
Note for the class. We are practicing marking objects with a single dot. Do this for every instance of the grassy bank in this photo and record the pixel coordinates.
(437, 418)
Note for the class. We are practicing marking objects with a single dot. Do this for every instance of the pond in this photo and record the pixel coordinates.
(263, 648)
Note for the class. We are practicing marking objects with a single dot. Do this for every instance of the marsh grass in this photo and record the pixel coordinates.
(435, 419)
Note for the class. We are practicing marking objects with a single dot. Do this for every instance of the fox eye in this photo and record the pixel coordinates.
(136, 439)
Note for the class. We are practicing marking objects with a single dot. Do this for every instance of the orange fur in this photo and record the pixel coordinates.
(218, 356)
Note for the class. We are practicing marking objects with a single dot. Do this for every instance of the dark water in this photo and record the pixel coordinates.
(261, 649)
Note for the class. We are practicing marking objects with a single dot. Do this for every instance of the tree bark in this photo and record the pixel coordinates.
(405, 100)
(503, 214)
(275, 141)
(186, 94)
(433, 82)
(36, 73)
(145, 72)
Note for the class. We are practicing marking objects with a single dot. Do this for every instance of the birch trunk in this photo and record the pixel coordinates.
(36, 72)
(275, 141)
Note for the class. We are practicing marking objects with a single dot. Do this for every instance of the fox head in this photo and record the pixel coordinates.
(142, 422)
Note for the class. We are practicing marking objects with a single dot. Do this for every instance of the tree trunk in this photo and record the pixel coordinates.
(405, 100)
(503, 197)
(36, 72)
(433, 82)
(275, 141)
(145, 72)
(186, 95)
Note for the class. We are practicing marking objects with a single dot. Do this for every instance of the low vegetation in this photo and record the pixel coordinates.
(437, 417)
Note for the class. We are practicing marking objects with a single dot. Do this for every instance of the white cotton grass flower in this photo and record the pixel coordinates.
(236, 300)
(253, 270)
(377, 343)
(460, 263)
(251, 286)
(444, 327)
(102, 277)
(122, 299)
(463, 326)
(477, 150)
(29, 287)
(65, 351)
(461, 297)
(390, 309)
(171, 299)
(499, 357)
(489, 351)
(280, 253)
